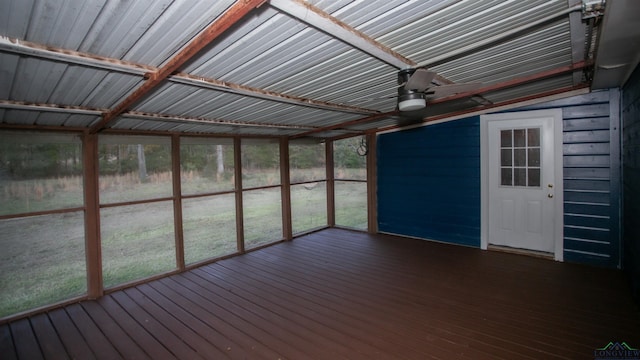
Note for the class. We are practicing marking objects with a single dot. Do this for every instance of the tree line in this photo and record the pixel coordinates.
(21, 161)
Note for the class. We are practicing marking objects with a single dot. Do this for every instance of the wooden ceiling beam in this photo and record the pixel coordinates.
(28, 48)
(243, 90)
(192, 120)
(326, 23)
(505, 105)
(342, 126)
(81, 110)
(23, 105)
(234, 14)
(16, 46)
(483, 90)
(517, 81)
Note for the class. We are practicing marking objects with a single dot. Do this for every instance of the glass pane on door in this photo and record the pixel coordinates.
(520, 157)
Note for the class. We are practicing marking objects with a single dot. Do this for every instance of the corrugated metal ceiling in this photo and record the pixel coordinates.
(272, 73)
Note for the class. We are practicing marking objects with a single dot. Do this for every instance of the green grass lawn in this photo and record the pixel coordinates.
(42, 261)
(43, 258)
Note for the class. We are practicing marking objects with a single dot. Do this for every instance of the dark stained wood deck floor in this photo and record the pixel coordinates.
(338, 294)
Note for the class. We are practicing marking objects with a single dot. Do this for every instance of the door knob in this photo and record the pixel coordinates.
(549, 196)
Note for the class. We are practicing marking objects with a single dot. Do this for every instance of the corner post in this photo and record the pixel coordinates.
(372, 181)
(92, 215)
(285, 186)
(237, 176)
(331, 201)
(177, 201)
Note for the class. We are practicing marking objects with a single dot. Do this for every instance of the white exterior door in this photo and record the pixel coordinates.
(521, 180)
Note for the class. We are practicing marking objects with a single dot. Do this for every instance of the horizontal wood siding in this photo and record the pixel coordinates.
(631, 179)
(591, 160)
(429, 182)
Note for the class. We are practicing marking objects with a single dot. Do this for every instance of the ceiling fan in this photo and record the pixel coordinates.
(415, 87)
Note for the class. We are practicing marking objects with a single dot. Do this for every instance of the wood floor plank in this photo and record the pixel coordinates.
(406, 290)
(50, 343)
(321, 317)
(241, 318)
(25, 340)
(363, 303)
(112, 331)
(218, 318)
(99, 344)
(7, 349)
(179, 330)
(230, 348)
(73, 341)
(337, 294)
(388, 315)
(156, 328)
(535, 351)
(138, 334)
(274, 314)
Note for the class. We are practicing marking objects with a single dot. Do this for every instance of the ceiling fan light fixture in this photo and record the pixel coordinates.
(410, 98)
(411, 101)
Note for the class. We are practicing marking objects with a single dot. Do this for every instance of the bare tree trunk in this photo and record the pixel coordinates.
(142, 164)
(120, 155)
(220, 161)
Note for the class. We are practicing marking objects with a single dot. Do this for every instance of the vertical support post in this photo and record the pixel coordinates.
(372, 182)
(237, 175)
(615, 176)
(331, 190)
(177, 201)
(285, 186)
(92, 215)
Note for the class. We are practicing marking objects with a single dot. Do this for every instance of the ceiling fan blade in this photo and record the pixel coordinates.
(451, 89)
(420, 80)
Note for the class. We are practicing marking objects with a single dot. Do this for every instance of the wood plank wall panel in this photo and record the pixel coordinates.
(338, 294)
(429, 182)
(631, 179)
(591, 166)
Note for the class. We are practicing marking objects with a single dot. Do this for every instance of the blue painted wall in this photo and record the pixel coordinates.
(631, 180)
(429, 182)
(429, 179)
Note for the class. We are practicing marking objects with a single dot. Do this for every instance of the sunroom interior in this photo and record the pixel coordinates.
(144, 141)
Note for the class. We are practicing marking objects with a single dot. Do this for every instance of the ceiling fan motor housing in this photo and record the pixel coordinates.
(409, 99)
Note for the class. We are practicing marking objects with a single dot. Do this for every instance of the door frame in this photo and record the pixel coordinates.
(556, 114)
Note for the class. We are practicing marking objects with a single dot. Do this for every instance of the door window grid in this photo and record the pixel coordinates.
(520, 157)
